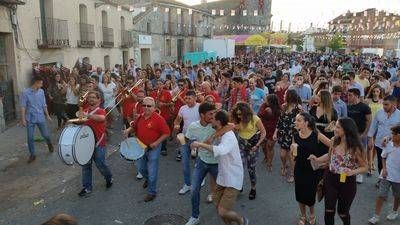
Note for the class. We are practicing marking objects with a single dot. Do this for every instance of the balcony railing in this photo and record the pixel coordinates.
(169, 28)
(182, 29)
(126, 39)
(86, 36)
(53, 33)
(108, 38)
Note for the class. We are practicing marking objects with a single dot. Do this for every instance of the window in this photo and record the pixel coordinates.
(3, 59)
(168, 47)
(107, 62)
(148, 27)
(191, 45)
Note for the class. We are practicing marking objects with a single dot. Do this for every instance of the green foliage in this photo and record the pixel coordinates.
(336, 42)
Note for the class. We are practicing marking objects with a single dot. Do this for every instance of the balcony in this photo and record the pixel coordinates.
(53, 33)
(86, 36)
(108, 38)
(192, 30)
(182, 29)
(126, 39)
(169, 28)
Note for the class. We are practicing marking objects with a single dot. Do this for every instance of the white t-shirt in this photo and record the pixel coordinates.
(71, 97)
(108, 92)
(392, 155)
(230, 166)
(189, 115)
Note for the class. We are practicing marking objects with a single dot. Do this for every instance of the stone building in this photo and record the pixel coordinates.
(58, 31)
(366, 29)
(240, 16)
(164, 30)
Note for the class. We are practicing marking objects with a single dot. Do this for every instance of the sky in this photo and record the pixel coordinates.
(301, 13)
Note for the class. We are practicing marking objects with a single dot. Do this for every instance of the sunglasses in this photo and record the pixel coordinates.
(148, 106)
(180, 85)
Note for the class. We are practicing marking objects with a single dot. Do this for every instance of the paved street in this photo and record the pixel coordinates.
(30, 194)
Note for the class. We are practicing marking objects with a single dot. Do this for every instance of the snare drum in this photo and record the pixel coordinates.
(132, 149)
(76, 144)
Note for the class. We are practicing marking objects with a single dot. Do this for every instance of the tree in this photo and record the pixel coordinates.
(336, 43)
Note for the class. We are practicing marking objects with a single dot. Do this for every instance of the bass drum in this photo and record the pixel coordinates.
(76, 144)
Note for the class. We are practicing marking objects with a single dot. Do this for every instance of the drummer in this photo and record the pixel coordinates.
(151, 129)
(96, 119)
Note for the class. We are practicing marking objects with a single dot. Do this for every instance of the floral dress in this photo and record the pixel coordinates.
(285, 127)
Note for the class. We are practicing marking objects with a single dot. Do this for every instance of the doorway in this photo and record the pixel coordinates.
(144, 57)
(125, 57)
(180, 45)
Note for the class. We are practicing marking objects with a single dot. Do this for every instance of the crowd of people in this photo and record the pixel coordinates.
(334, 117)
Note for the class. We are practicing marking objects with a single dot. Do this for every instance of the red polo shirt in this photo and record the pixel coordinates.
(215, 95)
(179, 103)
(165, 97)
(99, 128)
(149, 130)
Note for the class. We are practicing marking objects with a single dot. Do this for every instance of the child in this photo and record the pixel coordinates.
(389, 177)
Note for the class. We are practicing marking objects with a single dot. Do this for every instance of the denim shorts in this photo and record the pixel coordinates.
(384, 188)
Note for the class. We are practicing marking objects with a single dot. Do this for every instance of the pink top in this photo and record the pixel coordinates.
(341, 163)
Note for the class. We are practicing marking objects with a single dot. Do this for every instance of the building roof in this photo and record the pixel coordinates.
(222, 4)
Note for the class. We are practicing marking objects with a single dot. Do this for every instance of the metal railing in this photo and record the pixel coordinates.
(86, 35)
(126, 39)
(108, 37)
(53, 33)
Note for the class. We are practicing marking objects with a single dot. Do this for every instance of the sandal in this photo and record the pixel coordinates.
(313, 220)
(283, 171)
(302, 220)
(290, 179)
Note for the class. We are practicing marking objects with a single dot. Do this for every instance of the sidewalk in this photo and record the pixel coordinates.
(20, 181)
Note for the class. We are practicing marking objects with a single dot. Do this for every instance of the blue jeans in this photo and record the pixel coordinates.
(199, 173)
(148, 167)
(186, 156)
(99, 157)
(44, 131)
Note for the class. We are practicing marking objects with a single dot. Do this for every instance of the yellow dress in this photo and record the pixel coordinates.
(250, 130)
(375, 106)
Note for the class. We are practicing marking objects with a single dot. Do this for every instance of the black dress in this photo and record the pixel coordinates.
(305, 178)
(322, 123)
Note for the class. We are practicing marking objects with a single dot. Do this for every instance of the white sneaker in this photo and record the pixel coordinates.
(184, 189)
(139, 176)
(193, 221)
(203, 182)
(392, 215)
(209, 198)
(374, 219)
(359, 178)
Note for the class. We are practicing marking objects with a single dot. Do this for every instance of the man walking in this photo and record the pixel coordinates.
(34, 113)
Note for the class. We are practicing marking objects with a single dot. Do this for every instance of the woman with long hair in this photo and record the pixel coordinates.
(72, 96)
(305, 143)
(57, 92)
(109, 90)
(325, 115)
(281, 87)
(284, 131)
(374, 100)
(251, 133)
(269, 114)
(345, 159)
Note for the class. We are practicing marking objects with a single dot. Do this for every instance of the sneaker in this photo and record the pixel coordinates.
(209, 198)
(184, 189)
(178, 157)
(359, 178)
(139, 176)
(84, 193)
(252, 194)
(51, 147)
(149, 198)
(374, 219)
(31, 158)
(245, 221)
(203, 182)
(164, 152)
(392, 215)
(109, 183)
(193, 221)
